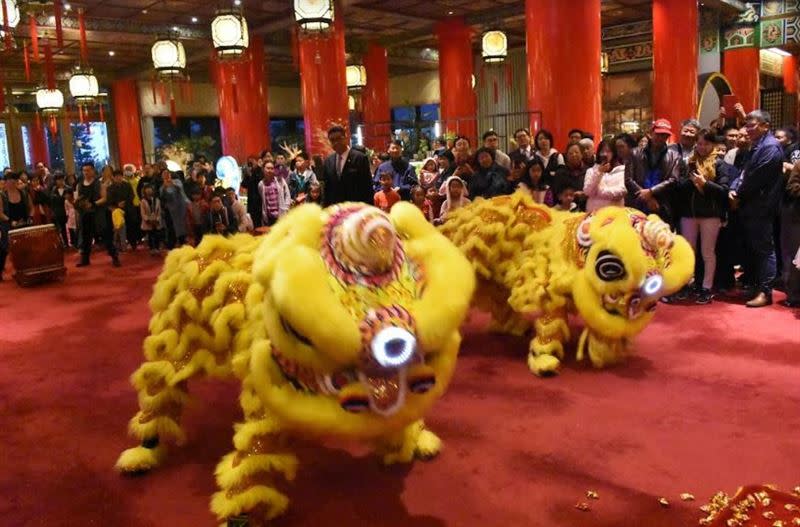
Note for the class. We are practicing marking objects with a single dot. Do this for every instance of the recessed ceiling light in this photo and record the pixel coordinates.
(67, 7)
(237, 2)
(144, 11)
(449, 12)
(111, 53)
(174, 28)
(194, 19)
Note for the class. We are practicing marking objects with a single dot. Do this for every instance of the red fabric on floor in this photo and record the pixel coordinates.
(710, 402)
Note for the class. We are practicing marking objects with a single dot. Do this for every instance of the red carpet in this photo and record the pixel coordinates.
(709, 403)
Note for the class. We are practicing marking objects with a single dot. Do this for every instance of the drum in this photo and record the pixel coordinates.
(36, 254)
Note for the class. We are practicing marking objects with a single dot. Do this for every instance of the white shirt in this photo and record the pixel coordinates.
(341, 159)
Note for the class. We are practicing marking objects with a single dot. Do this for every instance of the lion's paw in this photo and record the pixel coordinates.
(140, 459)
(428, 445)
(543, 365)
(260, 503)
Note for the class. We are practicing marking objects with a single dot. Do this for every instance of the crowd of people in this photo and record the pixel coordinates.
(732, 189)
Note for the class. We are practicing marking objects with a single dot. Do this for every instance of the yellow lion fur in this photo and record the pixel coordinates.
(531, 266)
(218, 310)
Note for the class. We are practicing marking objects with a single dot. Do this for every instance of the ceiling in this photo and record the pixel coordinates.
(120, 32)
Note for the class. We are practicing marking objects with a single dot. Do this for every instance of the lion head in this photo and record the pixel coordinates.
(361, 311)
(627, 261)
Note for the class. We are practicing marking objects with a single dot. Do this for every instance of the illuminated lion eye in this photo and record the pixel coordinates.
(609, 267)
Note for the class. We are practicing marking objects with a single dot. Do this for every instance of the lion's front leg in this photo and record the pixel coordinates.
(413, 442)
(547, 347)
(602, 351)
(249, 477)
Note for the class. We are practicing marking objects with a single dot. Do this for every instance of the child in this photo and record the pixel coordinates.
(428, 174)
(314, 193)
(118, 221)
(150, 208)
(421, 201)
(387, 196)
(456, 198)
(72, 225)
(566, 197)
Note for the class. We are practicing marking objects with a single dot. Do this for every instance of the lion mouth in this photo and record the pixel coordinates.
(382, 391)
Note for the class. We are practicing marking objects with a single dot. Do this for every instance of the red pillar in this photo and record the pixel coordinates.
(741, 66)
(458, 104)
(675, 60)
(38, 139)
(323, 85)
(790, 74)
(242, 97)
(564, 70)
(128, 122)
(375, 97)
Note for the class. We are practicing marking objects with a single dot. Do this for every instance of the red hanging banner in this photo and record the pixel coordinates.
(173, 113)
(82, 28)
(34, 30)
(26, 58)
(50, 69)
(59, 31)
(295, 48)
(81, 117)
(162, 92)
(101, 112)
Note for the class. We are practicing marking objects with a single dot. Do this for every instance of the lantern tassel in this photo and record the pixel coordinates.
(53, 128)
(38, 121)
(59, 30)
(101, 112)
(189, 89)
(6, 28)
(153, 88)
(162, 92)
(295, 48)
(81, 117)
(235, 93)
(50, 69)
(173, 112)
(82, 28)
(495, 91)
(26, 58)
(34, 30)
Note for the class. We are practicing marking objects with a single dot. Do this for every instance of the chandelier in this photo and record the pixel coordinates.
(356, 76)
(314, 15)
(229, 33)
(169, 57)
(83, 86)
(49, 101)
(494, 46)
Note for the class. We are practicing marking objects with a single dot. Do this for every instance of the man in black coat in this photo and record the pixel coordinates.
(346, 172)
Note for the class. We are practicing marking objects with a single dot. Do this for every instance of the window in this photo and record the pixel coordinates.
(200, 135)
(55, 149)
(5, 158)
(90, 144)
(290, 131)
(27, 147)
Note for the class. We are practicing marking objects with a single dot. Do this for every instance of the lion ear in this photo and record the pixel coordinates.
(409, 221)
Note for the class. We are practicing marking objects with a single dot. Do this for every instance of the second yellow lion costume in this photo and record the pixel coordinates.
(340, 322)
(535, 265)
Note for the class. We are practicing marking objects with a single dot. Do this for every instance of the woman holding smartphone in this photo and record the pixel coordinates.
(604, 184)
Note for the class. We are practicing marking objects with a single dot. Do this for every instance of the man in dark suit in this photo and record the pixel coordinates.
(346, 173)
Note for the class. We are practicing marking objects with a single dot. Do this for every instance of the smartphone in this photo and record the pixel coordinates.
(728, 102)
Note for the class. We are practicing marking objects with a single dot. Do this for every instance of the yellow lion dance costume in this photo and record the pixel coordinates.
(536, 263)
(340, 322)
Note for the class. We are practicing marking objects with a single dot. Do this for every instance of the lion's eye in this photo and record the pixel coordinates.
(609, 267)
(299, 336)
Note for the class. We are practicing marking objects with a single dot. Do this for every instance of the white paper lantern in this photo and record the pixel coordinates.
(356, 76)
(49, 101)
(13, 14)
(494, 46)
(83, 87)
(229, 33)
(169, 57)
(314, 15)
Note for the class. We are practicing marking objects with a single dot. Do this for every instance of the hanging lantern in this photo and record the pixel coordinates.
(356, 76)
(49, 102)
(494, 46)
(313, 15)
(603, 62)
(229, 33)
(12, 9)
(169, 57)
(83, 87)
